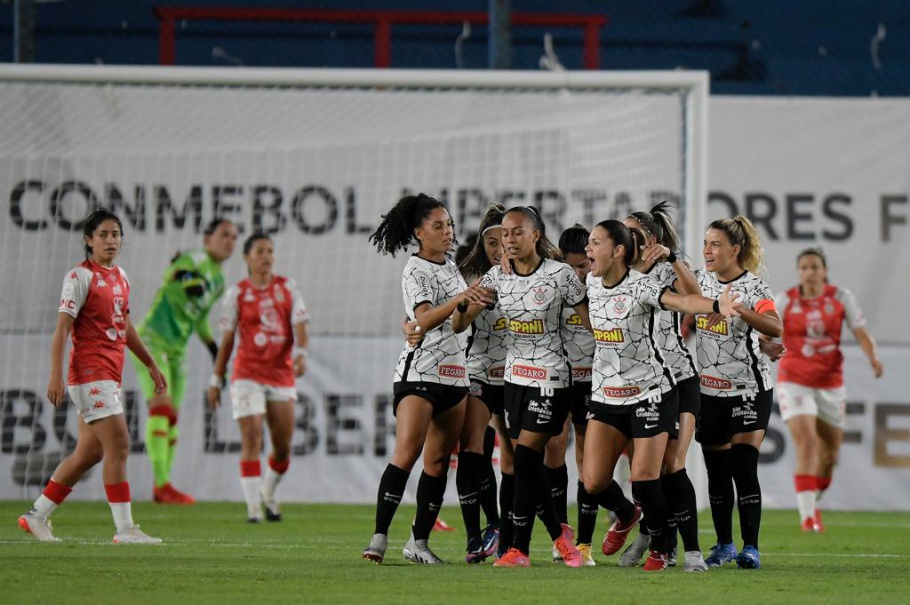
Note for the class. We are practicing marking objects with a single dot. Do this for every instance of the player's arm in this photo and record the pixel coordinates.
(302, 338)
(763, 317)
(216, 383)
(204, 331)
(468, 306)
(56, 388)
(696, 304)
(867, 344)
(134, 343)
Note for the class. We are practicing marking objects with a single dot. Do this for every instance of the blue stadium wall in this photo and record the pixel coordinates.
(772, 47)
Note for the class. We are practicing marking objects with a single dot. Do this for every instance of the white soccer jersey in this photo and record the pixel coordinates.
(670, 339)
(440, 356)
(730, 361)
(533, 305)
(487, 347)
(628, 362)
(579, 345)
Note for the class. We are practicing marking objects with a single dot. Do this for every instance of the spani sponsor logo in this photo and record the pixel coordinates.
(574, 320)
(501, 324)
(718, 328)
(517, 326)
(610, 336)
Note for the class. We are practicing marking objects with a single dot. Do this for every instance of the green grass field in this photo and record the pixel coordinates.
(211, 555)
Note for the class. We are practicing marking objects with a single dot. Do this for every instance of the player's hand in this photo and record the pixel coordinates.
(654, 252)
(774, 350)
(214, 397)
(505, 265)
(56, 391)
(878, 368)
(412, 332)
(727, 301)
(159, 380)
(299, 365)
(475, 295)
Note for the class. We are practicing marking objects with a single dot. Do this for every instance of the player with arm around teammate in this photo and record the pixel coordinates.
(265, 316)
(810, 379)
(94, 311)
(537, 374)
(633, 397)
(736, 387)
(431, 380)
(193, 282)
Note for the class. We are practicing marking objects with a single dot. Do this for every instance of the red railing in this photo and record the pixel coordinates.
(382, 21)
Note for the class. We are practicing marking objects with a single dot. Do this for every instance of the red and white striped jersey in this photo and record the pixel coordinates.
(99, 298)
(264, 318)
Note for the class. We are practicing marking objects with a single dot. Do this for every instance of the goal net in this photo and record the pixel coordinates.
(313, 158)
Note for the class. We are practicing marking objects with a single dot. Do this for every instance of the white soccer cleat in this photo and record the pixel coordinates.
(694, 561)
(40, 527)
(417, 551)
(270, 503)
(134, 535)
(375, 552)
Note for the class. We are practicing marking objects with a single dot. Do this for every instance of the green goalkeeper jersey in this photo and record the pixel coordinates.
(192, 284)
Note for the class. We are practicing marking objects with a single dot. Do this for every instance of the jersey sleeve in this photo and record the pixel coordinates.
(75, 291)
(299, 313)
(852, 313)
(419, 287)
(762, 298)
(228, 320)
(650, 290)
(491, 278)
(573, 291)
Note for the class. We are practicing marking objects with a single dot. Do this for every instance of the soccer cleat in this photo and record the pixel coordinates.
(272, 510)
(721, 554)
(618, 533)
(565, 544)
(671, 557)
(694, 561)
(748, 558)
(417, 551)
(441, 525)
(808, 525)
(375, 552)
(166, 494)
(38, 527)
(134, 535)
(513, 558)
(819, 526)
(656, 561)
(586, 559)
(490, 540)
(475, 553)
(631, 557)
(556, 556)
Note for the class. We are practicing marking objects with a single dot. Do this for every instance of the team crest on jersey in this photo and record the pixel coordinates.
(279, 295)
(117, 290)
(540, 295)
(248, 296)
(620, 304)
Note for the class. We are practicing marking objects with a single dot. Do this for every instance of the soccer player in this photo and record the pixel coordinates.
(633, 397)
(431, 380)
(579, 348)
(266, 313)
(95, 311)
(486, 354)
(192, 283)
(662, 245)
(537, 374)
(811, 376)
(736, 387)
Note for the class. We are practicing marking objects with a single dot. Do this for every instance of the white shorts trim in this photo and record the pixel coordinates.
(248, 397)
(96, 400)
(829, 405)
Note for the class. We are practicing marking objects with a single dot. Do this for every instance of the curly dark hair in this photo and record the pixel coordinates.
(396, 231)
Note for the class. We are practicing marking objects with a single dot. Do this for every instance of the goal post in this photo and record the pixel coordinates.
(313, 157)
